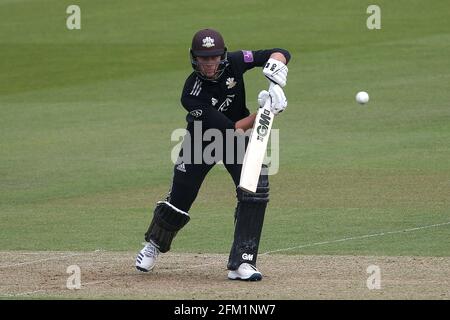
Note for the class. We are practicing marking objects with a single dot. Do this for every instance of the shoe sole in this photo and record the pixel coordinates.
(253, 277)
(142, 269)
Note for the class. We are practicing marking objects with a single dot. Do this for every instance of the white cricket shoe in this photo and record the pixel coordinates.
(246, 272)
(146, 258)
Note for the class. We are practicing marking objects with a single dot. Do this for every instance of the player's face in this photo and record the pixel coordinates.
(208, 65)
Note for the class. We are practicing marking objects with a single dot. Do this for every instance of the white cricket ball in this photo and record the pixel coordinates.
(362, 97)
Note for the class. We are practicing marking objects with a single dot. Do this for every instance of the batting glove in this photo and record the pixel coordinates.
(279, 101)
(276, 71)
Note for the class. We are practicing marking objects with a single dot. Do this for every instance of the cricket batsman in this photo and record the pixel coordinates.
(214, 97)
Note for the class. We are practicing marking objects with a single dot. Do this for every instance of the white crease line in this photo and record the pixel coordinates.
(20, 253)
(21, 294)
(193, 267)
(36, 253)
(109, 280)
(357, 237)
(40, 260)
(99, 281)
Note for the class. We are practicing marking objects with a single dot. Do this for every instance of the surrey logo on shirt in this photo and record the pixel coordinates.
(208, 42)
(214, 101)
(230, 83)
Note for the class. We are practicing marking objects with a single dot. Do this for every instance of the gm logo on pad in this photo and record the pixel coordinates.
(247, 256)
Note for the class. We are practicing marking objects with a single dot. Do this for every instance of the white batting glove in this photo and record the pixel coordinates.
(276, 71)
(262, 98)
(279, 101)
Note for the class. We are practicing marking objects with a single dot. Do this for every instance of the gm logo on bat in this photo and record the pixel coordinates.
(264, 122)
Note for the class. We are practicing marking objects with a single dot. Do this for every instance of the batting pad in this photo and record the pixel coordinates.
(167, 221)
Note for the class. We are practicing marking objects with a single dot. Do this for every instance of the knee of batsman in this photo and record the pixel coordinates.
(167, 221)
(260, 196)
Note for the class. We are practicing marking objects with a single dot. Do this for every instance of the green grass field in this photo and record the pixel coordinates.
(86, 117)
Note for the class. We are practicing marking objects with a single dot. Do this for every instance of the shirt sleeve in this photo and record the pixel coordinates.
(199, 108)
(247, 59)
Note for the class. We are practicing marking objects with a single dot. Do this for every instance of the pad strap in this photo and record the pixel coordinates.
(260, 196)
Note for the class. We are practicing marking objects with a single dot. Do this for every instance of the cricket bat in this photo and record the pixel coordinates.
(256, 148)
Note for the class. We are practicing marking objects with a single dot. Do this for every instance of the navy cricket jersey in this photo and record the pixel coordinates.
(220, 103)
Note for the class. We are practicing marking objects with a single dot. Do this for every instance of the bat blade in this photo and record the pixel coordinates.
(256, 149)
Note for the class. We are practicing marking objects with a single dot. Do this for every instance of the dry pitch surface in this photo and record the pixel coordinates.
(110, 275)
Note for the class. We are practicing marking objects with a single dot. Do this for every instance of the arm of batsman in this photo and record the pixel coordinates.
(276, 71)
